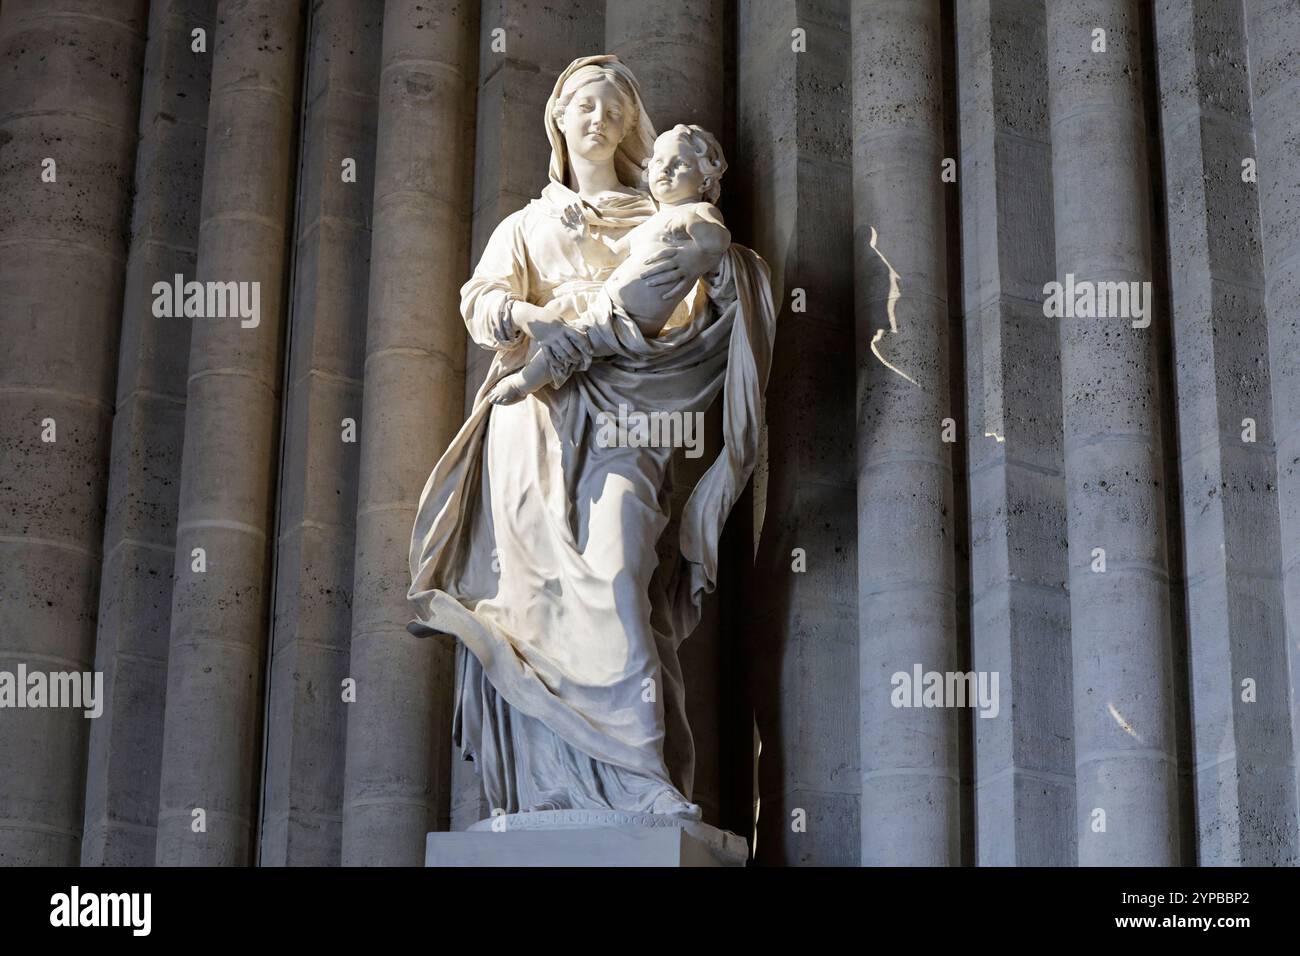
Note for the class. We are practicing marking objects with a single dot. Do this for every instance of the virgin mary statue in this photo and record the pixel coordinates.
(535, 542)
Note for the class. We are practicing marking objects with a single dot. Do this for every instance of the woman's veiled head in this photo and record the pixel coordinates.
(596, 112)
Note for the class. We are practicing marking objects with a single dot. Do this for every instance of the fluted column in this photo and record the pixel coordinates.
(510, 156)
(675, 49)
(1245, 785)
(1125, 748)
(212, 728)
(1273, 27)
(906, 590)
(148, 434)
(68, 109)
(1020, 608)
(792, 186)
(312, 623)
(399, 728)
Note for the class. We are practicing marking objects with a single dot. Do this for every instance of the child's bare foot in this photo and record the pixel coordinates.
(508, 391)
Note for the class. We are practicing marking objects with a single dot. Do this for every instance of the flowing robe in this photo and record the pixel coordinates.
(535, 543)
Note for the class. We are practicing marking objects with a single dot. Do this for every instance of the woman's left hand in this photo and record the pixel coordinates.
(575, 220)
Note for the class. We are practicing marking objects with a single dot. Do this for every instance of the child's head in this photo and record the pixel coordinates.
(686, 166)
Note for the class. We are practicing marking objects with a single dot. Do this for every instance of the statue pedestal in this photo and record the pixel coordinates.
(586, 838)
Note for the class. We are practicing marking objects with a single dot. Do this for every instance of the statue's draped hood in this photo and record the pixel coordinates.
(638, 142)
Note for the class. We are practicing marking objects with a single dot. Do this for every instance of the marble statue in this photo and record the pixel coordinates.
(535, 543)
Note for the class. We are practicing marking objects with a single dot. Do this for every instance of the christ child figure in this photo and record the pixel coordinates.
(683, 175)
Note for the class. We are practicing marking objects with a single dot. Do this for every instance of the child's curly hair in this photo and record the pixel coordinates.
(706, 148)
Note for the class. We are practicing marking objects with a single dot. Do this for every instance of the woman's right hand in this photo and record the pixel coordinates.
(565, 343)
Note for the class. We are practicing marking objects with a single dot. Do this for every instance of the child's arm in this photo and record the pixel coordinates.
(708, 229)
(684, 262)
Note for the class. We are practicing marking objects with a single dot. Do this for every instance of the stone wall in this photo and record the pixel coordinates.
(962, 471)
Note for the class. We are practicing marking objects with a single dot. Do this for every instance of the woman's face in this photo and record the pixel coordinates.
(595, 121)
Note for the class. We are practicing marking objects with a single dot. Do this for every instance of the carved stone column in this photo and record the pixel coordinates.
(1020, 608)
(792, 178)
(1273, 27)
(1120, 624)
(312, 624)
(68, 110)
(212, 737)
(135, 596)
(399, 728)
(906, 577)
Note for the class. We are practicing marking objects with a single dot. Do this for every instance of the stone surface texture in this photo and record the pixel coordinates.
(1105, 513)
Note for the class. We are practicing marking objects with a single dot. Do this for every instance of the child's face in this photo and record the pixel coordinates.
(674, 172)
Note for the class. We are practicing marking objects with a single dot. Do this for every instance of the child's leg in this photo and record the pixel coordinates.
(540, 369)
(527, 380)
(585, 323)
